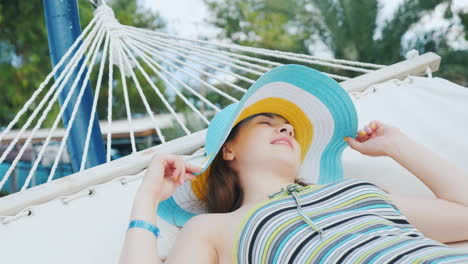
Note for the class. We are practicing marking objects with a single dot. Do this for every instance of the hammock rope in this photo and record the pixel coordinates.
(168, 57)
(139, 46)
(153, 63)
(95, 102)
(95, 51)
(62, 83)
(232, 85)
(260, 51)
(211, 55)
(158, 73)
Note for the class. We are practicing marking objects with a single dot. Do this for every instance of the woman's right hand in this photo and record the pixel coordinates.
(165, 173)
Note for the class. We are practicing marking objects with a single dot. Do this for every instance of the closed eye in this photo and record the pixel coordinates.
(264, 123)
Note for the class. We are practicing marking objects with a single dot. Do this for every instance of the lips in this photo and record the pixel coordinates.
(283, 140)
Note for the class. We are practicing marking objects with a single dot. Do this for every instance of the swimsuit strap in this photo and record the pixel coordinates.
(293, 189)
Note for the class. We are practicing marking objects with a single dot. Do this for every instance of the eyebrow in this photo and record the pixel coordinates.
(272, 116)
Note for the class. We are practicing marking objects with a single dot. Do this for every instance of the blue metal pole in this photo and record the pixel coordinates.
(63, 28)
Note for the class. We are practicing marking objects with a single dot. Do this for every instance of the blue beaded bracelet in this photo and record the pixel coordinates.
(144, 225)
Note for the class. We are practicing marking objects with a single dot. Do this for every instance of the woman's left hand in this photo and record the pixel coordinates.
(376, 139)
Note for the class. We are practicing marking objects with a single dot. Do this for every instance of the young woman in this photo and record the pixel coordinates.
(262, 213)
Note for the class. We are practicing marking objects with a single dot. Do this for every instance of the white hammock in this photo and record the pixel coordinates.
(83, 217)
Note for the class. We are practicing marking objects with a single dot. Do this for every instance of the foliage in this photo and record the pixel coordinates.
(25, 61)
(350, 29)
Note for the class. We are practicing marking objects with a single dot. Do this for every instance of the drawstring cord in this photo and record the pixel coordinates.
(293, 189)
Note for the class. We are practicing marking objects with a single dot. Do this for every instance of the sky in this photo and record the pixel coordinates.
(187, 18)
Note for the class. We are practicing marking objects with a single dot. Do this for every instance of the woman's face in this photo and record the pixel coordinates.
(266, 140)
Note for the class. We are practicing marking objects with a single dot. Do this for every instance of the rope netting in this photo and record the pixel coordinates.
(144, 58)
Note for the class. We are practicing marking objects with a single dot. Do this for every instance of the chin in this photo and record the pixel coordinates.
(287, 161)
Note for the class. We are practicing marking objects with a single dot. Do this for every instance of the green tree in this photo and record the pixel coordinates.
(349, 28)
(268, 24)
(25, 61)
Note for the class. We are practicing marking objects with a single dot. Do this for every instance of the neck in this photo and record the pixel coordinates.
(257, 185)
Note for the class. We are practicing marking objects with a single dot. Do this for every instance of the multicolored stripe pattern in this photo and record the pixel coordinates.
(359, 222)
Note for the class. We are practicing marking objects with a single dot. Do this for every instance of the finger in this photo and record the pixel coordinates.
(364, 138)
(171, 167)
(361, 133)
(192, 168)
(368, 129)
(176, 169)
(358, 146)
(353, 143)
(375, 124)
(180, 168)
(175, 172)
(181, 178)
(189, 176)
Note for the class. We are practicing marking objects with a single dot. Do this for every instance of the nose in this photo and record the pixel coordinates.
(288, 129)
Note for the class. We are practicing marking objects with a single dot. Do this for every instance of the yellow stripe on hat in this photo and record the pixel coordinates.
(303, 130)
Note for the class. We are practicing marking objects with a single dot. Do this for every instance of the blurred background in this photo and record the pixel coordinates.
(380, 32)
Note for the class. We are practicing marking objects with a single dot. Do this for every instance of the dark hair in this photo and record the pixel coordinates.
(224, 191)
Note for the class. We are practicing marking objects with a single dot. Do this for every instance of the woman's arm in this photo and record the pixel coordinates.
(443, 218)
(165, 173)
(446, 180)
(141, 246)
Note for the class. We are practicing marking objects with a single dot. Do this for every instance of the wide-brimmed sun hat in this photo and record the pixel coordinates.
(320, 110)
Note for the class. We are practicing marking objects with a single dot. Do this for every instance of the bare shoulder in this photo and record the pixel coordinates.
(204, 226)
(206, 223)
(195, 243)
(201, 239)
(200, 219)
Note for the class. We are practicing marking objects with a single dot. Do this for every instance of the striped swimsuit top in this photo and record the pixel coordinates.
(350, 221)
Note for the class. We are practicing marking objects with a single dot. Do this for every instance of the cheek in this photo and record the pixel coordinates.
(298, 148)
(253, 142)
(297, 152)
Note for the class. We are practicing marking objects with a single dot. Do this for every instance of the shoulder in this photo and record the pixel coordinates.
(208, 226)
(209, 218)
(197, 241)
(203, 224)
